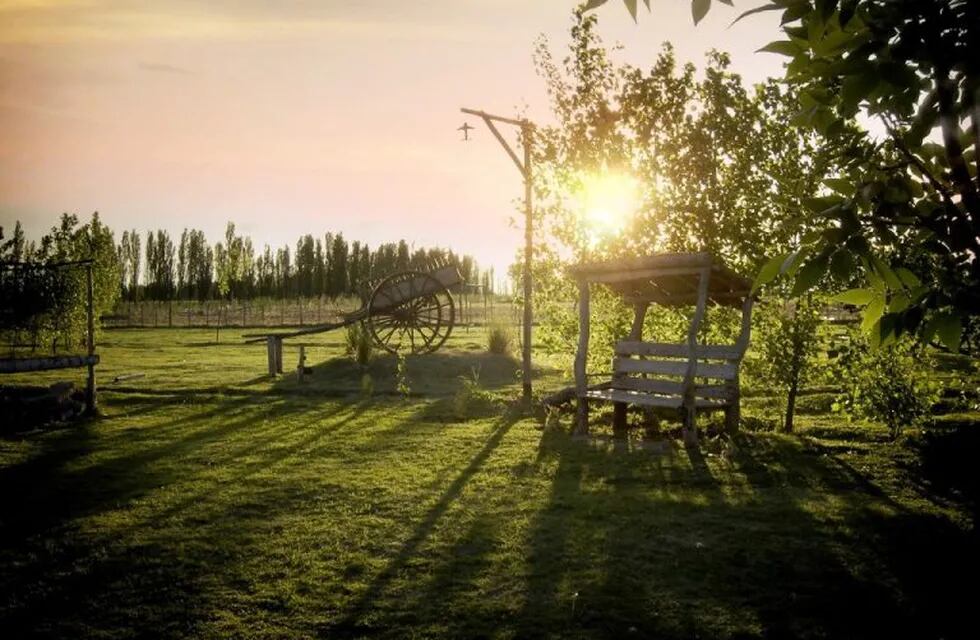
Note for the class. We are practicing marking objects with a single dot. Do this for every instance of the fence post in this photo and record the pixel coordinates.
(90, 400)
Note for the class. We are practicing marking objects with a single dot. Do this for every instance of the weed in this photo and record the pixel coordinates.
(358, 344)
(500, 339)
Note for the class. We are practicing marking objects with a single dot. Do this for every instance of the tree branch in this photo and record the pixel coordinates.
(949, 123)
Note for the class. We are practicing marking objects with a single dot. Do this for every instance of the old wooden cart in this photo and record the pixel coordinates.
(405, 312)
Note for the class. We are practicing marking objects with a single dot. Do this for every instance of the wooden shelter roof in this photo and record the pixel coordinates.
(669, 279)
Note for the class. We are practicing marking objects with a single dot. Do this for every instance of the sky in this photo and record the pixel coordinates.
(294, 117)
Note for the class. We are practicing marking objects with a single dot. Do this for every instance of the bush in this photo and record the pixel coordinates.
(472, 401)
(889, 384)
(359, 344)
(402, 384)
(500, 339)
(785, 341)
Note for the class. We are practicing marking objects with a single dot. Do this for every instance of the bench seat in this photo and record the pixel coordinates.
(652, 400)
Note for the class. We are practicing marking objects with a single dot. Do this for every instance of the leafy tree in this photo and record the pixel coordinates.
(904, 211)
(338, 267)
(51, 303)
(719, 168)
(785, 339)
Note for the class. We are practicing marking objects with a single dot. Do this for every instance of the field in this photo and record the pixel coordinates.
(209, 501)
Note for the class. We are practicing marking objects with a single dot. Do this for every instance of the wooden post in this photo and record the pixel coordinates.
(90, 398)
(636, 333)
(270, 347)
(527, 135)
(526, 130)
(581, 358)
(301, 367)
(690, 414)
(733, 413)
(278, 354)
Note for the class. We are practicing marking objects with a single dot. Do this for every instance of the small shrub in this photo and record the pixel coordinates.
(471, 400)
(500, 339)
(888, 384)
(401, 377)
(358, 344)
(367, 385)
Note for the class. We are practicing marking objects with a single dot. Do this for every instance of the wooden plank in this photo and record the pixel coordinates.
(21, 365)
(581, 357)
(678, 368)
(640, 274)
(394, 295)
(665, 387)
(650, 400)
(705, 351)
(645, 399)
(670, 387)
(660, 260)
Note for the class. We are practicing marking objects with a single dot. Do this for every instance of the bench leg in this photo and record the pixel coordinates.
(582, 418)
(619, 419)
(690, 427)
(733, 416)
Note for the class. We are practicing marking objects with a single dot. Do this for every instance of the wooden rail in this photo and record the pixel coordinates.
(22, 365)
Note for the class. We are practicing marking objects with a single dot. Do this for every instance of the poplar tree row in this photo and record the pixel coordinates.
(156, 267)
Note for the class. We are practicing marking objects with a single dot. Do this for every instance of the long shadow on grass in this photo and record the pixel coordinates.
(55, 573)
(673, 553)
(353, 623)
(896, 572)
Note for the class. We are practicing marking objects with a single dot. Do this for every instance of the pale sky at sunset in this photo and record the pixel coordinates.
(297, 117)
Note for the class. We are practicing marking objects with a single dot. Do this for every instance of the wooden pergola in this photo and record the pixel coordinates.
(689, 376)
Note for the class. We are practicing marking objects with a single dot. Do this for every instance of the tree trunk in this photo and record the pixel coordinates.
(791, 404)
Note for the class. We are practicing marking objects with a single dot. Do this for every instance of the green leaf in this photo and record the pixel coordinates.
(631, 7)
(769, 271)
(872, 313)
(858, 87)
(728, 2)
(793, 260)
(782, 47)
(810, 274)
(908, 278)
(948, 327)
(857, 297)
(794, 13)
(593, 4)
(766, 7)
(843, 186)
(699, 9)
(842, 264)
(886, 273)
(898, 303)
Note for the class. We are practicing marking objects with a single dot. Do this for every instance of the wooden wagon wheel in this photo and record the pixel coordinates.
(410, 311)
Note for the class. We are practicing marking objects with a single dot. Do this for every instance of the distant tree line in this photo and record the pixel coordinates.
(157, 267)
(45, 306)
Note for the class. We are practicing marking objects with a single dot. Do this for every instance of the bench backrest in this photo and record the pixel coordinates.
(664, 368)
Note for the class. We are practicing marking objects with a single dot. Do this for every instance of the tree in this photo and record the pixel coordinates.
(182, 265)
(717, 167)
(786, 342)
(904, 212)
(52, 303)
(14, 249)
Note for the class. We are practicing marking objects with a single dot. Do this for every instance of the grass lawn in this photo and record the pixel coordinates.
(209, 501)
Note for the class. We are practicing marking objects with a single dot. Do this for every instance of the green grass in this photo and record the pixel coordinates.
(209, 501)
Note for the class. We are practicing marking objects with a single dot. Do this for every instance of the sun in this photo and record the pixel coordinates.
(607, 202)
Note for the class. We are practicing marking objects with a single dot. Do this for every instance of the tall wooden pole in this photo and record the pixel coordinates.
(528, 255)
(527, 132)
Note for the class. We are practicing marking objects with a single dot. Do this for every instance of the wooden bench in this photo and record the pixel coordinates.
(665, 375)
